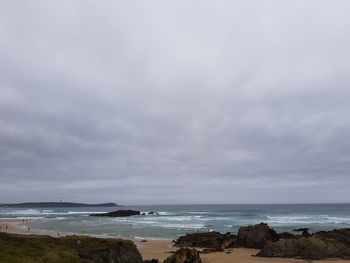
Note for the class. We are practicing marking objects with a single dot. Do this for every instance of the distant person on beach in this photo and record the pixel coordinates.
(28, 229)
(6, 228)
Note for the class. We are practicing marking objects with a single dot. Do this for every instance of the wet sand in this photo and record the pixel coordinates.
(160, 249)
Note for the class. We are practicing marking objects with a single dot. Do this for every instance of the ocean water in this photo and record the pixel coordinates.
(176, 220)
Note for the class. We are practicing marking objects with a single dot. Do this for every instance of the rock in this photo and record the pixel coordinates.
(338, 235)
(304, 247)
(304, 230)
(287, 235)
(151, 261)
(213, 240)
(72, 249)
(184, 255)
(118, 213)
(329, 244)
(256, 236)
(120, 252)
(153, 213)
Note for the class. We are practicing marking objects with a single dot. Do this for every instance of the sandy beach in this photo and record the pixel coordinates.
(160, 249)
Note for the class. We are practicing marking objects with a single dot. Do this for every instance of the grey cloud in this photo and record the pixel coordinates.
(182, 102)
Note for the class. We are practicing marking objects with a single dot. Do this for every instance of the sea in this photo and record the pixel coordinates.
(173, 221)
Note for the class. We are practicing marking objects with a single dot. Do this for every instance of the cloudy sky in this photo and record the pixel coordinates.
(193, 101)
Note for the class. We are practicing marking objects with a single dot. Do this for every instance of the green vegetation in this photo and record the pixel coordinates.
(46, 249)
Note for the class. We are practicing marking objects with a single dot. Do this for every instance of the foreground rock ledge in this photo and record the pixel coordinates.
(330, 244)
(72, 249)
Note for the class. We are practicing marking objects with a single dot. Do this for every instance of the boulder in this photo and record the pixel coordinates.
(119, 213)
(287, 235)
(119, 252)
(338, 235)
(72, 249)
(331, 244)
(184, 255)
(212, 240)
(305, 231)
(153, 213)
(256, 236)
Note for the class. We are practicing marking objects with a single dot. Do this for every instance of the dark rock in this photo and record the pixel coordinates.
(118, 213)
(287, 235)
(153, 213)
(339, 235)
(184, 255)
(73, 249)
(144, 240)
(304, 230)
(214, 240)
(256, 236)
(329, 244)
(120, 252)
(151, 260)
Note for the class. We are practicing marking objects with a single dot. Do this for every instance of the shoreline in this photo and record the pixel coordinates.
(158, 249)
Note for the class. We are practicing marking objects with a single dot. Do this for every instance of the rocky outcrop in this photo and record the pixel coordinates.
(256, 236)
(329, 244)
(287, 235)
(305, 231)
(120, 252)
(153, 213)
(211, 240)
(119, 213)
(73, 249)
(184, 255)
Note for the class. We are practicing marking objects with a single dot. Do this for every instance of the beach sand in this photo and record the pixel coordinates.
(161, 249)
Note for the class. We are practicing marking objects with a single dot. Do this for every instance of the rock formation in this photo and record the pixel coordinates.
(256, 236)
(119, 252)
(210, 240)
(320, 245)
(73, 249)
(184, 255)
(119, 213)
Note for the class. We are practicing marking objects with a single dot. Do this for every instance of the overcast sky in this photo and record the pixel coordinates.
(154, 102)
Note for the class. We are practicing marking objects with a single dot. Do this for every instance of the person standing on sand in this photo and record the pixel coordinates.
(6, 227)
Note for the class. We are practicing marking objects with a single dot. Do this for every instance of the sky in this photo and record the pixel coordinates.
(175, 102)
